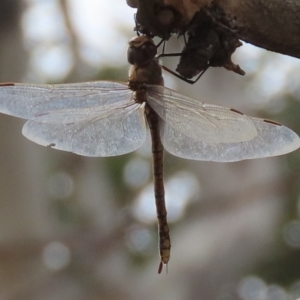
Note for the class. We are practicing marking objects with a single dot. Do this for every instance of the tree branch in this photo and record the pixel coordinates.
(270, 24)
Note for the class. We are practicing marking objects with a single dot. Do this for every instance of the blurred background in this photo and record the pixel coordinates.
(73, 227)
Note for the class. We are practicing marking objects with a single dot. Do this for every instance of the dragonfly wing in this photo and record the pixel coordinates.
(198, 131)
(194, 119)
(62, 102)
(110, 136)
(272, 140)
(97, 118)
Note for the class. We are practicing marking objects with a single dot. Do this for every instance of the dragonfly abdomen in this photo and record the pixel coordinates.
(159, 191)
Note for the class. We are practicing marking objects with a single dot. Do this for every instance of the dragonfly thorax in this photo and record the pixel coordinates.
(145, 67)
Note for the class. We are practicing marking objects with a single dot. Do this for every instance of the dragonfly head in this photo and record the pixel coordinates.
(141, 50)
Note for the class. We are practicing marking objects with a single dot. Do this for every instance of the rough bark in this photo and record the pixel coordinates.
(270, 24)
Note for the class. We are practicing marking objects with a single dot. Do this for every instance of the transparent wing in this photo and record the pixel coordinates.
(197, 120)
(62, 103)
(218, 134)
(115, 135)
(91, 119)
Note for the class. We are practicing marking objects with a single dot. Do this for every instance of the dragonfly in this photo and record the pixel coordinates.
(105, 118)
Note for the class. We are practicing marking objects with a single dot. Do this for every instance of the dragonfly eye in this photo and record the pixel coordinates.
(141, 54)
(132, 3)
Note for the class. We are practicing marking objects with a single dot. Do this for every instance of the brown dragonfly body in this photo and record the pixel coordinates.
(146, 70)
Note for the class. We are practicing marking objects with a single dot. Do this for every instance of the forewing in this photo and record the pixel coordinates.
(62, 103)
(198, 131)
(199, 121)
(110, 136)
